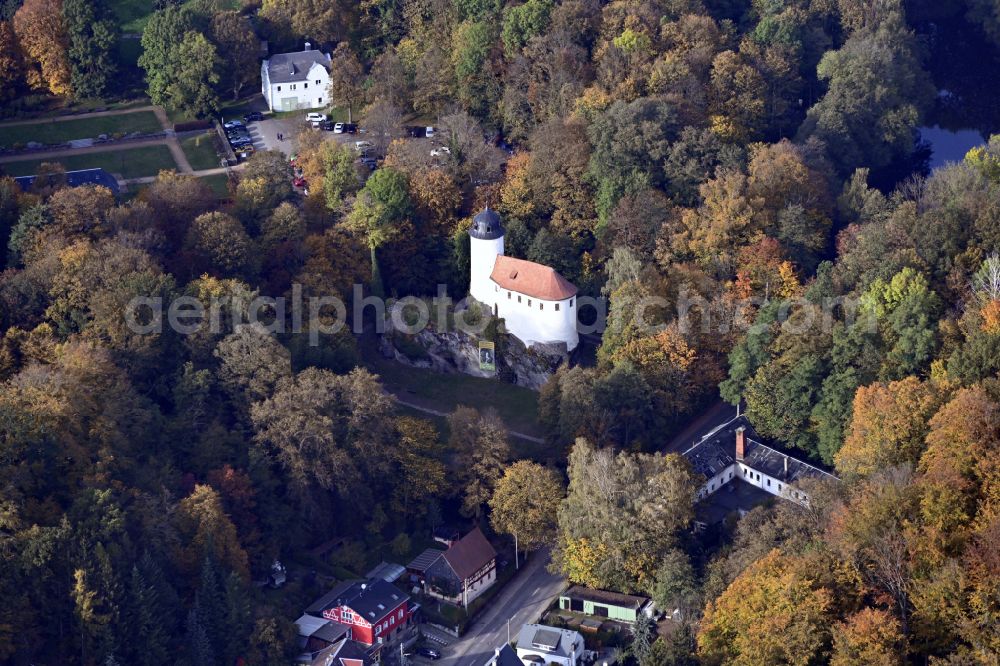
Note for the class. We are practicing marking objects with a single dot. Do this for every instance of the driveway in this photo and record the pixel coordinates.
(521, 601)
(265, 133)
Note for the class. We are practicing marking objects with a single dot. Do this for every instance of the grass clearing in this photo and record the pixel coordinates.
(61, 131)
(134, 163)
(200, 151)
(517, 406)
(219, 184)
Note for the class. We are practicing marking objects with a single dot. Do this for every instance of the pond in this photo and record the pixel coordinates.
(949, 146)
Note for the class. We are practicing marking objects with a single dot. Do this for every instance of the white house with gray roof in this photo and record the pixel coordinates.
(293, 81)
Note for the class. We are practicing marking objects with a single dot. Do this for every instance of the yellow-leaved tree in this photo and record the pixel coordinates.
(773, 613)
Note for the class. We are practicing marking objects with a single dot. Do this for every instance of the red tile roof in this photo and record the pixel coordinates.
(531, 279)
(469, 554)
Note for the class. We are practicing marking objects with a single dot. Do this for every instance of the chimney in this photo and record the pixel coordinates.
(786, 467)
(308, 47)
(741, 443)
(497, 653)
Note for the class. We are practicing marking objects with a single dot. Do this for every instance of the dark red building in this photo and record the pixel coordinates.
(375, 611)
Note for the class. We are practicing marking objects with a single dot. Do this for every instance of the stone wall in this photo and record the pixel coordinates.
(458, 352)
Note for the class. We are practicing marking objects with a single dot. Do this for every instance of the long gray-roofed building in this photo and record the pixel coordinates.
(735, 450)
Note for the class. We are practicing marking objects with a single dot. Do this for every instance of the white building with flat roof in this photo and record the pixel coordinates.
(539, 644)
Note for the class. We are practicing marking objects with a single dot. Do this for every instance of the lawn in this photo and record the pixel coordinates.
(61, 131)
(200, 151)
(517, 406)
(134, 163)
(219, 184)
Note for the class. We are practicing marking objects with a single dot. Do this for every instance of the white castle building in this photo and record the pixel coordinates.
(536, 303)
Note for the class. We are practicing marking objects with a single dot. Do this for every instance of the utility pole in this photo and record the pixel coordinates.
(508, 631)
(517, 564)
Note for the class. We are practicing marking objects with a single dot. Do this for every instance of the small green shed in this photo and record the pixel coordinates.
(601, 603)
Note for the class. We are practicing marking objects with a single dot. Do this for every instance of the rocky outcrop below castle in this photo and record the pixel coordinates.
(458, 352)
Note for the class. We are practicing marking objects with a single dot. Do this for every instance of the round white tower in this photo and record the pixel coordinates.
(486, 242)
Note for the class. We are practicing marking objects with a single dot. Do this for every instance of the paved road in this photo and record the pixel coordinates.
(522, 601)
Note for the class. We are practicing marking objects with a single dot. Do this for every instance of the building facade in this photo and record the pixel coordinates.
(537, 304)
(604, 604)
(733, 450)
(293, 81)
(374, 611)
(538, 644)
(464, 571)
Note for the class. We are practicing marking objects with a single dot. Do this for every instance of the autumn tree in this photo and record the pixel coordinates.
(421, 472)
(207, 531)
(11, 62)
(219, 244)
(622, 513)
(524, 504)
(482, 450)
(888, 425)
(772, 613)
(41, 32)
(346, 78)
(251, 363)
(870, 636)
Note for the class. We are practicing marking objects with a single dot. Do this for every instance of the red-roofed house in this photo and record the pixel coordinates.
(537, 304)
(464, 571)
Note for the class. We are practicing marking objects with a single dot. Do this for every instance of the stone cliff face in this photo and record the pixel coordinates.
(457, 351)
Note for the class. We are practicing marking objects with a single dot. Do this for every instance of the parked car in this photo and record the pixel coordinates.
(299, 182)
(246, 150)
(315, 118)
(350, 128)
(430, 653)
(362, 146)
(253, 116)
(338, 128)
(441, 151)
(239, 129)
(429, 132)
(240, 142)
(415, 131)
(232, 124)
(328, 125)
(370, 162)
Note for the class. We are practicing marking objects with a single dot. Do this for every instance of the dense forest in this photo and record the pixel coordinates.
(755, 165)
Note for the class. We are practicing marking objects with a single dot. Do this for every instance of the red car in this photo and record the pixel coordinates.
(299, 182)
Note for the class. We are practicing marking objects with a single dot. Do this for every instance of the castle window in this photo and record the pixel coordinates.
(519, 298)
(508, 295)
(305, 85)
(279, 88)
(489, 228)
(496, 287)
(557, 307)
(541, 306)
(529, 302)
(571, 302)
(317, 81)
